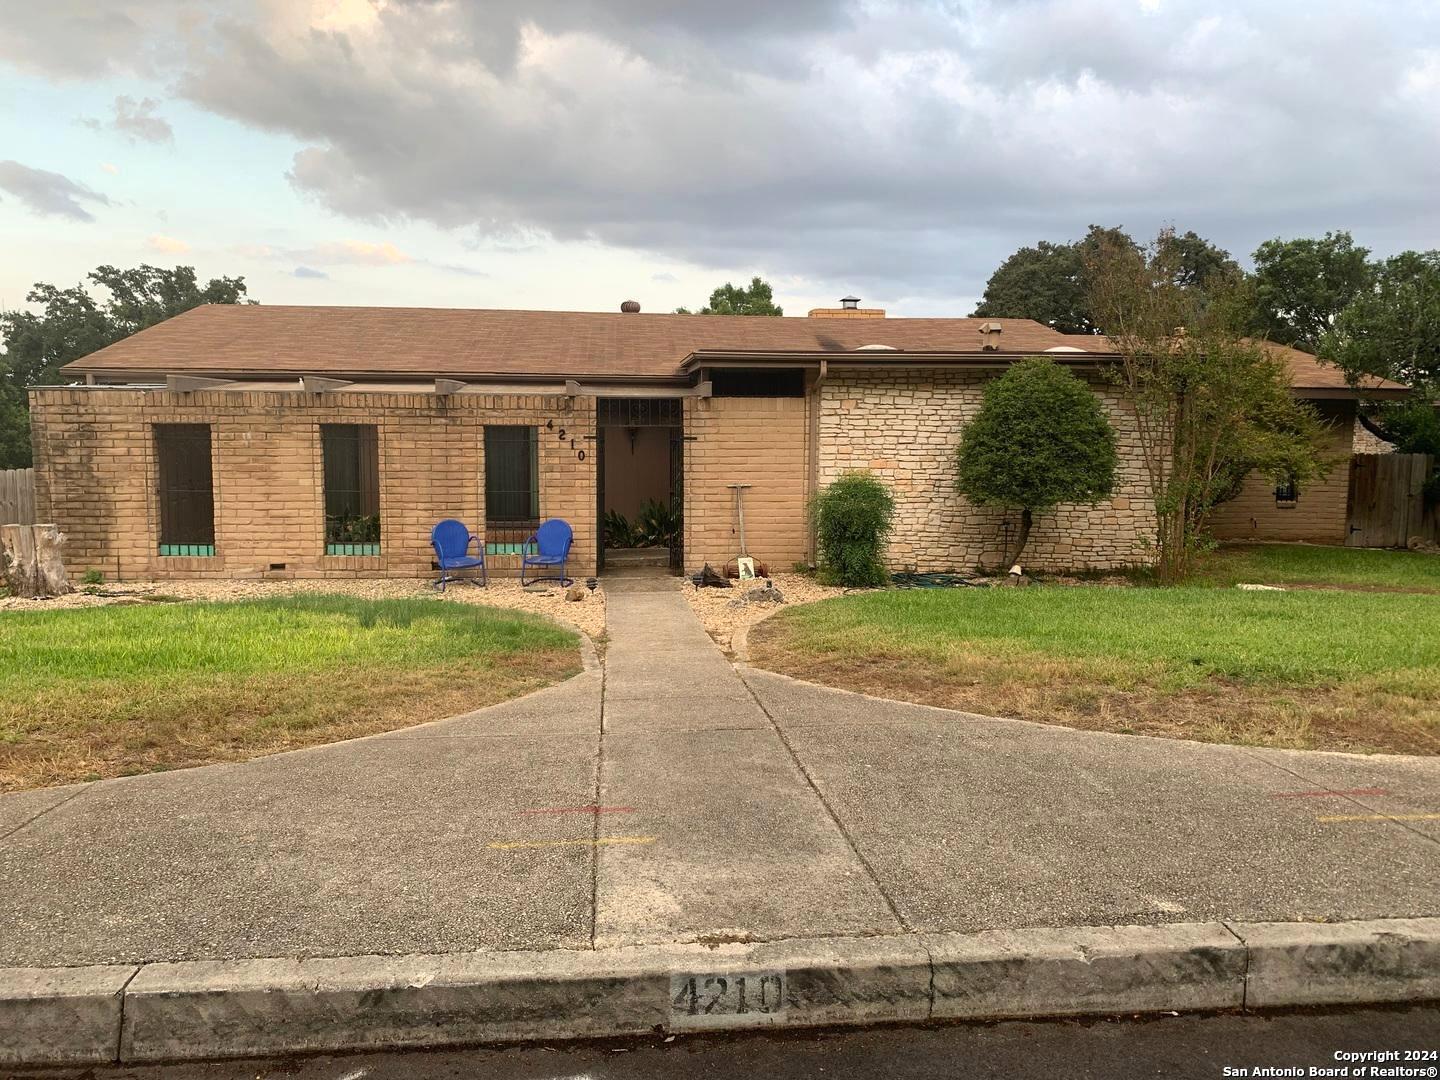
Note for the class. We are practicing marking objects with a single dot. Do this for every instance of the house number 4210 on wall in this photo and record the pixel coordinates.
(564, 436)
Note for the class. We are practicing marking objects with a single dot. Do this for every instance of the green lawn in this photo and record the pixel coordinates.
(1345, 670)
(92, 692)
(1305, 564)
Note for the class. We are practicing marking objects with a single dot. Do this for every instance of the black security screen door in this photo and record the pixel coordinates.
(185, 489)
(351, 459)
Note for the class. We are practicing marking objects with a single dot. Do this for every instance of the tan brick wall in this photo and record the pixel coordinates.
(95, 475)
(904, 426)
(1321, 512)
(756, 441)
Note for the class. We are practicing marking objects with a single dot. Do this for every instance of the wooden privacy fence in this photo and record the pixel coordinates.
(1387, 500)
(17, 497)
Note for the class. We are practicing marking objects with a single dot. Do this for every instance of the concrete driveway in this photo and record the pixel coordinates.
(669, 797)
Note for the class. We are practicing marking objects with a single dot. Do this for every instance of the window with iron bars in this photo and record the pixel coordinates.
(512, 487)
(185, 489)
(350, 459)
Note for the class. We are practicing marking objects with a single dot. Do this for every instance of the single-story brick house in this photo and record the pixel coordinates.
(241, 441)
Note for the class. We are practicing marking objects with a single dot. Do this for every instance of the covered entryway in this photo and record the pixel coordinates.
(640, 470)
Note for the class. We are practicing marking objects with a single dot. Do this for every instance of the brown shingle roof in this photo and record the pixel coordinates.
(265, 339)
(1307, 372)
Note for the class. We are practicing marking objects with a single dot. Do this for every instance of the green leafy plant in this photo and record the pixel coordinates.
(353, 529)
(852, 518)
(619, 533)
(92, 576)
(1040, 439)
(657, 524)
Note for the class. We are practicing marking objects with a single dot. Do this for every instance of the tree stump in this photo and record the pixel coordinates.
(30, 559)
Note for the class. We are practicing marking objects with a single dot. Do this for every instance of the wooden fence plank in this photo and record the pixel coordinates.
(1387, 500)
(17, 497)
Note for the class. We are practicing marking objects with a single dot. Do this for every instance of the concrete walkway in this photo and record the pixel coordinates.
(733, 806)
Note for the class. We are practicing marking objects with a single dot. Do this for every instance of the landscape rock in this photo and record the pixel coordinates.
(764, 594)
(575, 593)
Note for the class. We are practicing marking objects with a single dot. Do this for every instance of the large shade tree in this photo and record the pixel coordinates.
(756, 299)
(1302, 286)
(65, 324)
(1049, 282)
(1040, 439)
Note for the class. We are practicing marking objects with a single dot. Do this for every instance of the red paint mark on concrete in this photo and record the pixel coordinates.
(582, 810)
(1324, 794)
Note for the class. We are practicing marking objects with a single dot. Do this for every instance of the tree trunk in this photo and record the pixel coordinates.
(31, 560)
(1020, 541)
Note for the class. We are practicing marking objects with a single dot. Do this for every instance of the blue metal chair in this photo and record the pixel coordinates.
(451, 541)
(551, 542)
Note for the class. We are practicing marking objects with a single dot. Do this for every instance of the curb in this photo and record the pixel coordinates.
(249, 1008)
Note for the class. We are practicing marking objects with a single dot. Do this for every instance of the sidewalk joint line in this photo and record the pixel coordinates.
(595, 821)
(120, 1027)
(829, 810)
(53, 806)
(1245, 975)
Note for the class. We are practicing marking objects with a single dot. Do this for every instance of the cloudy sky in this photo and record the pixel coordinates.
(554, 154)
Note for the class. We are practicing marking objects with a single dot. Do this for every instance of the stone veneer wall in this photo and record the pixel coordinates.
(95, 476)
(904, 426)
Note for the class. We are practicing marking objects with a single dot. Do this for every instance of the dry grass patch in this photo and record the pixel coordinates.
(87, 694)
(1297, 670)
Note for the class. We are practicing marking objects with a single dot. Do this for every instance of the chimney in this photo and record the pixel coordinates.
(849, 309)
(630, 307)
(990, 336)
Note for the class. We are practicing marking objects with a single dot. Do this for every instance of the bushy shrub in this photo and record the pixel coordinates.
(852, 518)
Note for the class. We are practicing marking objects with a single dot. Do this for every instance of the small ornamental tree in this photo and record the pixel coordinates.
(1040, 439)
(852, 518)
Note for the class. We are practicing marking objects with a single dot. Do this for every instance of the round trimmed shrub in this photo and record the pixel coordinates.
(852, 518)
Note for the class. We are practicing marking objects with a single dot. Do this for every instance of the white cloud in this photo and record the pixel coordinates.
(136, 120)
(112, 169)
(890, 148)
(166, 245)
(49, 193)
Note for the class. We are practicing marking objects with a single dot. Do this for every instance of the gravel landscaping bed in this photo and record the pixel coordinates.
(587, 615)
(723, 611)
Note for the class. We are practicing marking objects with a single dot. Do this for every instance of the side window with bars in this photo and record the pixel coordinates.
(185, 489)
(350, 455)
(512, 486)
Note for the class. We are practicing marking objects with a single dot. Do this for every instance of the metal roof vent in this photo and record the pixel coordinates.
(630, 307)
(849, 303)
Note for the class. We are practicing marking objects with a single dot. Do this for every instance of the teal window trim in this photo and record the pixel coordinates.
(501, 548)
(352, 549)
(187, 551)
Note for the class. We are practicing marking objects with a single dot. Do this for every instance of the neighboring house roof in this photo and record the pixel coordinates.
(1309, 375)
(265, 339)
